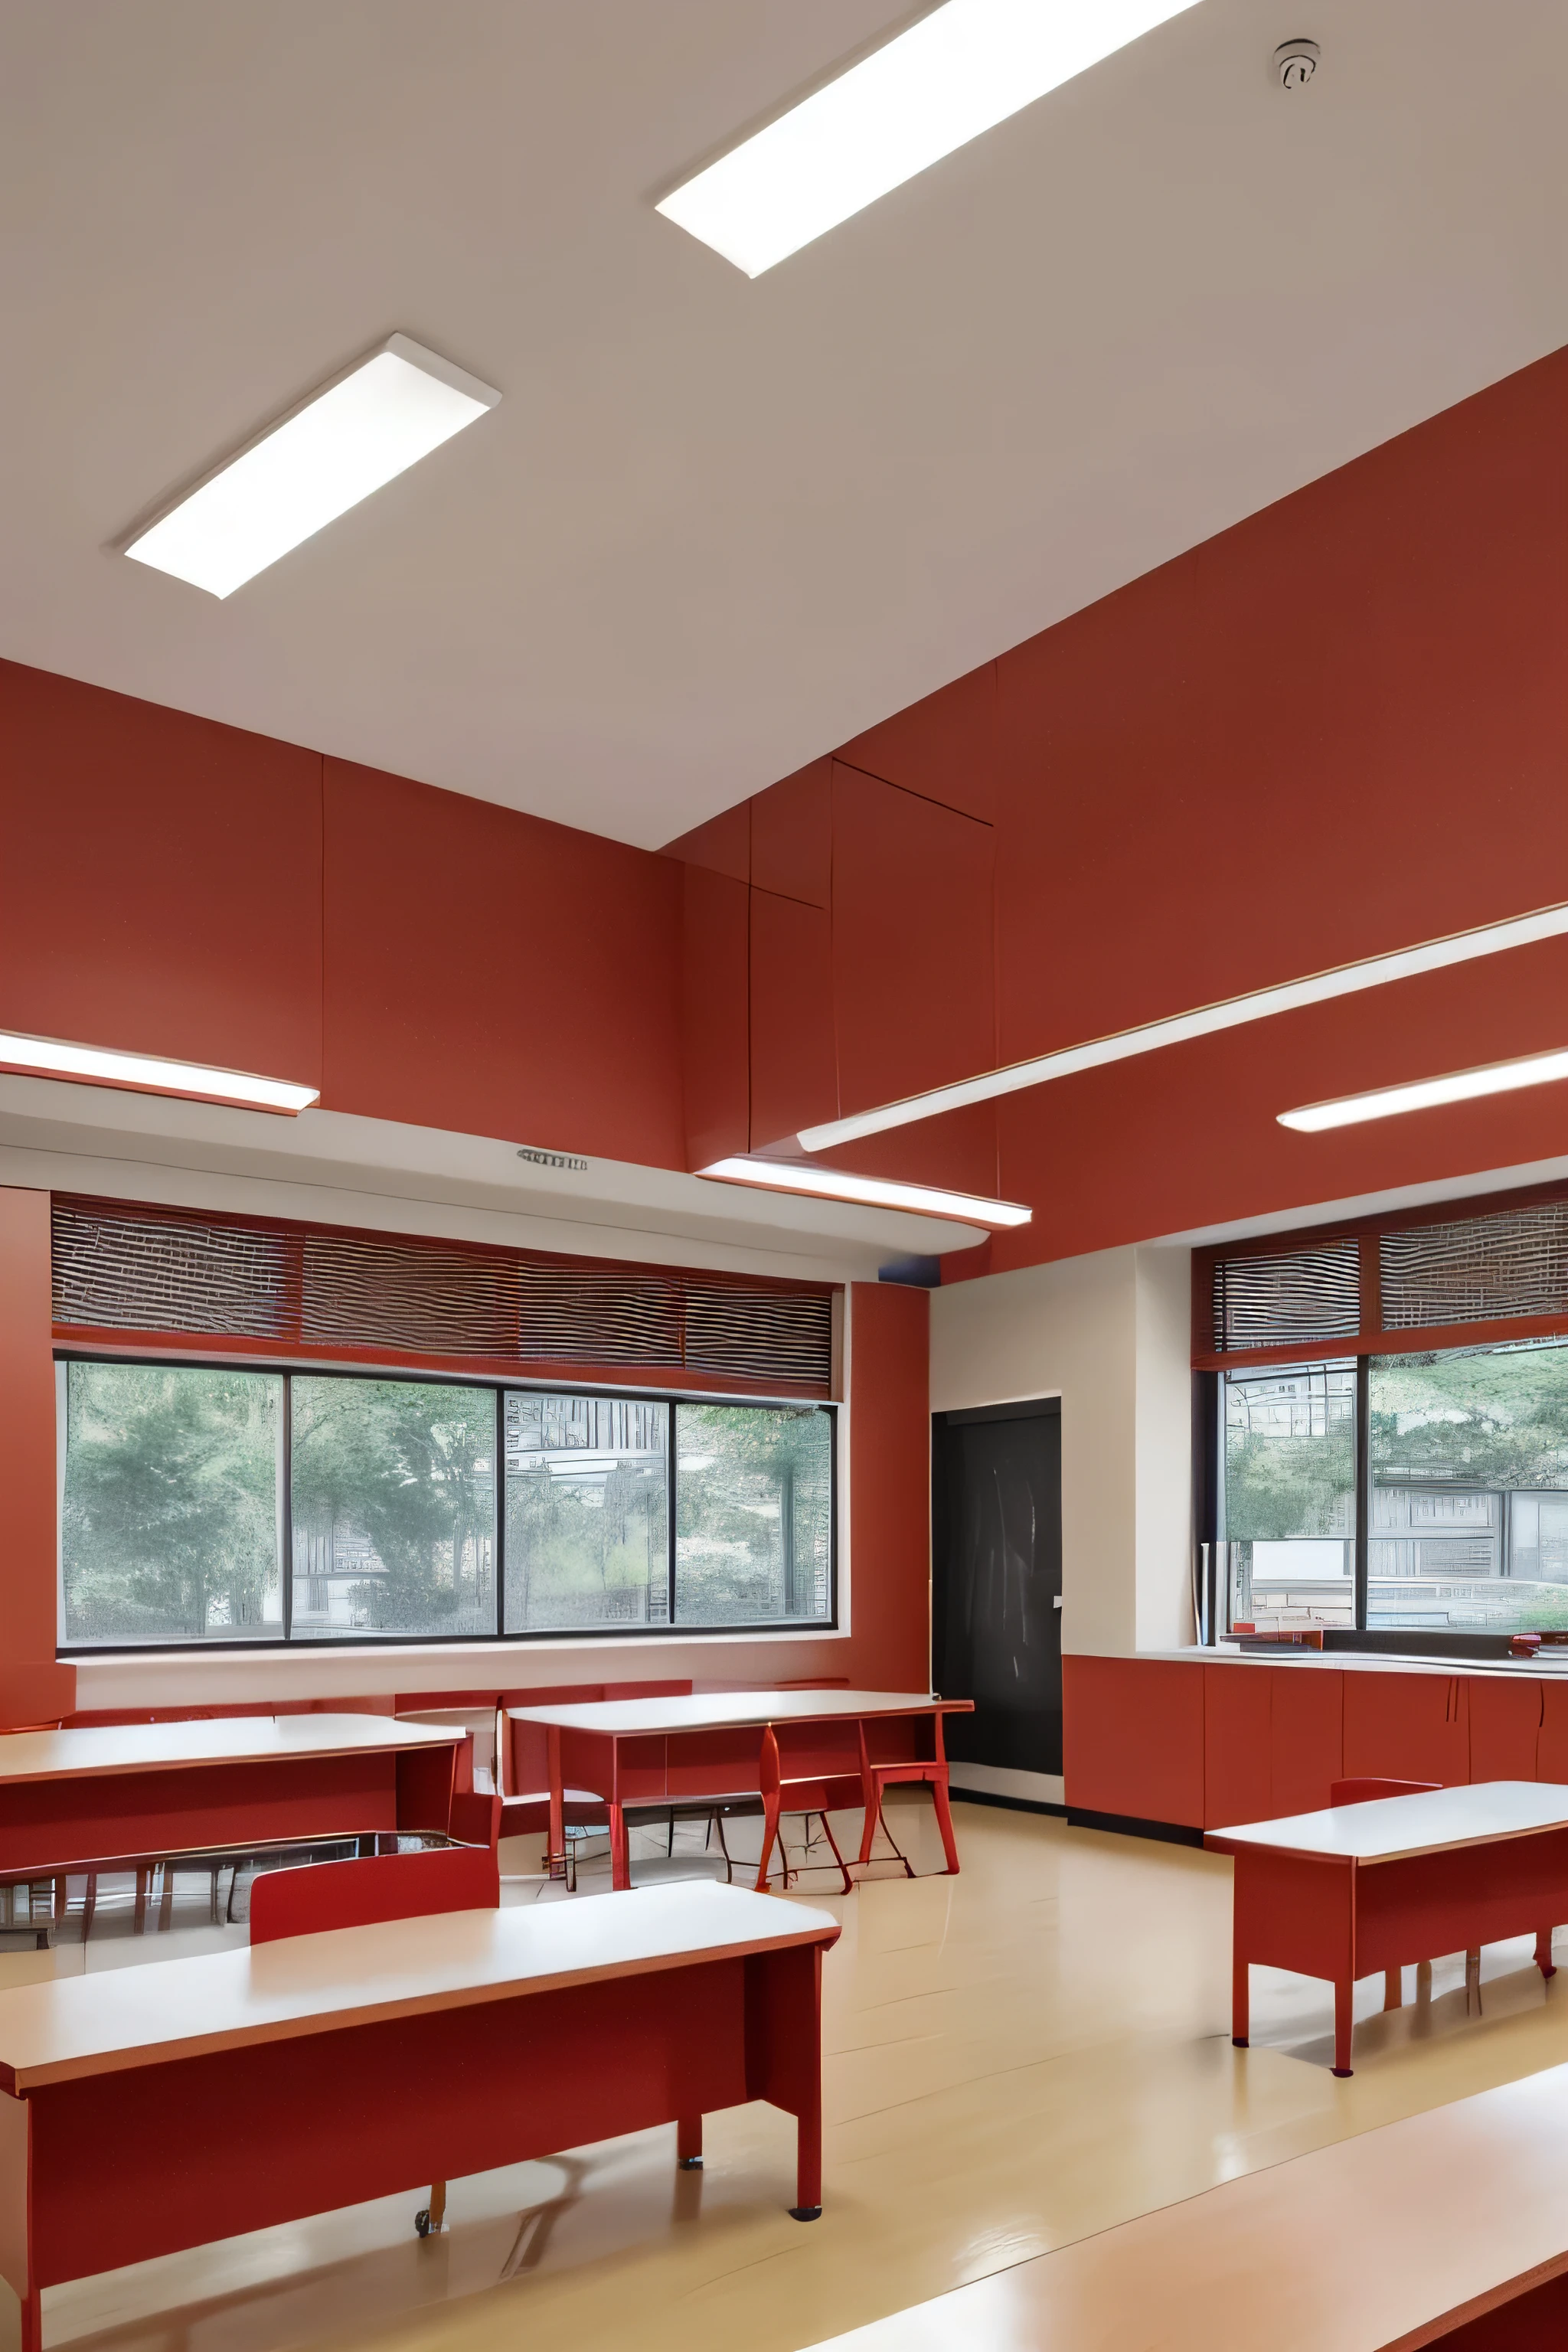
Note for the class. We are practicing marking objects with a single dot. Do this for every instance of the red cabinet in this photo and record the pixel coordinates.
(1133, 1739)
(1551, 1738)
(1505, 1727)
(1306, 1737)
(1238, 1744)
(1402, 1727)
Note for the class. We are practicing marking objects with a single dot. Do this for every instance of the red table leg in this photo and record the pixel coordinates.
(1240, 1998)
(768, 1777)
(870, 1798)
(620, 1850)
(688, 2143)
(1544, 1959)
(555, 1860)
(1345, 2006)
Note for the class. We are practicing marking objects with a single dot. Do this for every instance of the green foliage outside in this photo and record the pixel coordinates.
(1476, 1419)
(172, 1510)
(590, 1550)
(410, 1465)
(753, 1522)
(169, 1529)
(1278, 1484)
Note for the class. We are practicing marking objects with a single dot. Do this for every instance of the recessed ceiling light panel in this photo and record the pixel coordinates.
(1426, 1094)
(150, 1074)
(954, 73)
(350, 438)
(875, 1191)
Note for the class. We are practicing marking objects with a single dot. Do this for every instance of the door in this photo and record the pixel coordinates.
(996, 1581)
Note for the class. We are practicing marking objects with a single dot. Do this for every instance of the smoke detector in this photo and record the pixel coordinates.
(1296, 62)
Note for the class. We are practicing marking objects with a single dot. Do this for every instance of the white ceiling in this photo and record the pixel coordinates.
(716, 526)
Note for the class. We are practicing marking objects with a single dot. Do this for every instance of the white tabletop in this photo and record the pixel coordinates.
(719, 1710)
(1375, 2241)
(116, 2018)
(1389, 1828)
(101, 1748)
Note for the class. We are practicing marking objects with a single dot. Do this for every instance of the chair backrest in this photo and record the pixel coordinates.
(321, 1894)
(1362, 1792)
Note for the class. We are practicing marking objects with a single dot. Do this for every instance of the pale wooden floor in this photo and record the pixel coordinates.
(1034, 2051)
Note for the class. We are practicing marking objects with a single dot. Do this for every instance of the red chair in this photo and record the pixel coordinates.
(1366, 1792)
(807, 1768)
(927, 1771)
(326, 1895)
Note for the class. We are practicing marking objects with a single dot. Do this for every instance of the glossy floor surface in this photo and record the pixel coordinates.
(1015, 2058)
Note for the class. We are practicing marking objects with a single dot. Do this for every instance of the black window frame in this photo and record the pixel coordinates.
(1209, 1429)
(286, 1641)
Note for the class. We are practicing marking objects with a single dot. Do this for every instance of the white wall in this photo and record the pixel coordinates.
(1110, 1335)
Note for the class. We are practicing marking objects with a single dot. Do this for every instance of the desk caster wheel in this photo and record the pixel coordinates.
(421, 2222)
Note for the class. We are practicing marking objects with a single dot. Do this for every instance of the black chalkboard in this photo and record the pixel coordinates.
(996, 1566)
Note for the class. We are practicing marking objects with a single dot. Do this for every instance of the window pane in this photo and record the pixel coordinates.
(1290, 1496)
(587, 1539)
(755, 1514)
(1469, 1489)
(169, 1512)
(394, 1494)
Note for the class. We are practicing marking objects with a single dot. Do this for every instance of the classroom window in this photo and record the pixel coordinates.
(170, 1504)
(1289, 1494)
(587, 1513)
(394, 1512)
(185, 1490)
(1468, 1490)
(754, 1515)
(1463, 1461)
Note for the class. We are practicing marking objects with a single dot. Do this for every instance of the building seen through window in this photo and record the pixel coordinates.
(1465, 1475)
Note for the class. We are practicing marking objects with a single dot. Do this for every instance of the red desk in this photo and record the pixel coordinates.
(1362, 1888)
(649, 1751)
(147, 2109)
(69, 1800)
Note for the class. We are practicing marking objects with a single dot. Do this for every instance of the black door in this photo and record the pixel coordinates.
(996, 1565)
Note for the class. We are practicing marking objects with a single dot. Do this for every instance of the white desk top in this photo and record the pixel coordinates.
(103, 1748)
(720, 1710)
(1367, 2245)
(117, 2018)
(1388, 1829)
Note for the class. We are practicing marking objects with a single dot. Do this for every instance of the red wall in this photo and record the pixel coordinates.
(1336, 729)
(889, 1490)
(32, 1687)
(187, 888)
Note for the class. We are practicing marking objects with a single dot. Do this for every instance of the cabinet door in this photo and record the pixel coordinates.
(1505, 1725)
(1407, 1727)
(1306, 1737)
(1133, 1739)
(1235, 1745)
(1551, 1739)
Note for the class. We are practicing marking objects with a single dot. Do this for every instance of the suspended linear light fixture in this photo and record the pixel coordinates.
(1206, 1021)
(1426, 1094)
(150, 1074)
(875, 1191)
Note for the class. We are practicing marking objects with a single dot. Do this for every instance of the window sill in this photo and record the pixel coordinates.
(171, 1677)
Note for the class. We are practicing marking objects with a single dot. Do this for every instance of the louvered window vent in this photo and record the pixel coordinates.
(122, 1268)
(1480, 1270)
(1286, 1300)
